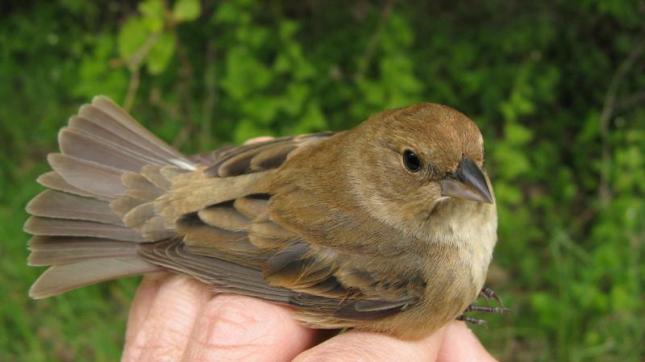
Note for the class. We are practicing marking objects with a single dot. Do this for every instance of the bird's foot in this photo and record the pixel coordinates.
(486, 309)
(467, 319)
(488, 294)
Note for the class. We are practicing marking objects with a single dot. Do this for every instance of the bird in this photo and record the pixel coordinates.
(387, 227)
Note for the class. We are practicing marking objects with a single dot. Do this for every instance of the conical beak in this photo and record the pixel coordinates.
(468, 183)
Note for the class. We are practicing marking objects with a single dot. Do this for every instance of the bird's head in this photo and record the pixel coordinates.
(412, 160)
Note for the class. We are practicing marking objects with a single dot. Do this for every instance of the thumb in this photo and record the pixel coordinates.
(461, 344)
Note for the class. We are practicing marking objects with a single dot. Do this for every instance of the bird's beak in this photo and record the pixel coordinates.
(468, 183)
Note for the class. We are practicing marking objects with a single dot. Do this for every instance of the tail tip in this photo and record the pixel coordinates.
(101, 98)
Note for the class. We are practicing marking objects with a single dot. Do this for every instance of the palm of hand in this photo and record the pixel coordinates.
(175, 318)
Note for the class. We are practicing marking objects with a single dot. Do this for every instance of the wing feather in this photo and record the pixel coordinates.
(227, 237)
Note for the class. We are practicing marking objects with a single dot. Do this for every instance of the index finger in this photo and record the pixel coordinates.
(368, 346)
(238, 328)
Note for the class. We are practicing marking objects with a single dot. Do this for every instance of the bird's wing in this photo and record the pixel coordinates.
(254, 157)
(293, 276)
(159, 196)
(315, 292)
(235, 246)
(216, 225)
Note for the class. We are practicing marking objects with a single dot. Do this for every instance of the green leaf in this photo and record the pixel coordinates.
(244, 73)
(247, 129)
(186, 10)
(313, 120)
(512, 161)
(282, 63)
(517, 134)
(260, 109)
(132, 36)
(253, 36)
(295, 98)
(94, 73)
(153, 14)
(304, 71)
(160, 54)
(288, 29)
(226, 13)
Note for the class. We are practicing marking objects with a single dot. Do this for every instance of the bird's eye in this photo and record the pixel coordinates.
(411, 161)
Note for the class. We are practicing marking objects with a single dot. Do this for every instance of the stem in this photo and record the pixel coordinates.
(134, 65)
(608, 109)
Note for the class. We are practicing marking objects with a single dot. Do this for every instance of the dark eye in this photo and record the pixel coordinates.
(411, 161)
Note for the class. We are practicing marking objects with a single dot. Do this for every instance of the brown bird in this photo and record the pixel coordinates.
(388, 227)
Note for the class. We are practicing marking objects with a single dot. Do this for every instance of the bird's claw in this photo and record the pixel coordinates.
(467, 319)
(486, 309)
(487, 294)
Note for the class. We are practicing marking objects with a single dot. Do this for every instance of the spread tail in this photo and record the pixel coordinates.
(88, 223)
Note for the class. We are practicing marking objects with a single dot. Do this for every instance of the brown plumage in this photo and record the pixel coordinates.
(387, 227)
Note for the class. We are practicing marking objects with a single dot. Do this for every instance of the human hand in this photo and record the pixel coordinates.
(176, 318)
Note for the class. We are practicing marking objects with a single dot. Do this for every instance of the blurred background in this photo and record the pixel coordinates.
(558, 88)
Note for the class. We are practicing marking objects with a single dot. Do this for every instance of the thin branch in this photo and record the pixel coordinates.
(366, 58)
(210, 99)
(184, 91)
(133, 86)
(608, 111)
(628, 102)
(134, 65)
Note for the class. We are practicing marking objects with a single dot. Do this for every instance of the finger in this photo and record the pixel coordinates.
(146, 293)
(164, 333)
(461, 344)
(258, 139)
(366, 346)
(236, 328)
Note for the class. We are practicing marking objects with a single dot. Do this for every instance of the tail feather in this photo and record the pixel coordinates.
(44, 226)
(54, 181)
(87, 175)
(156, 177)
(109, 167)
(56, 250)
(123, 205)
(96, 130)
(107, 115)
(75, 143)
(140, 187)
(60, 205)
(59, 279)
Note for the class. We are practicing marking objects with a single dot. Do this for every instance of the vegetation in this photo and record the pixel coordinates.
(557, 87)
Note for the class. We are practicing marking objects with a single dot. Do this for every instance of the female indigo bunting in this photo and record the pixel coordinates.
(387, 227)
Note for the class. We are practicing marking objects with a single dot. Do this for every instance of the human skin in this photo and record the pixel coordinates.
(176, 318)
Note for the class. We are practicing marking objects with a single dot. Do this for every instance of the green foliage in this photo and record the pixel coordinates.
(556, 86)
